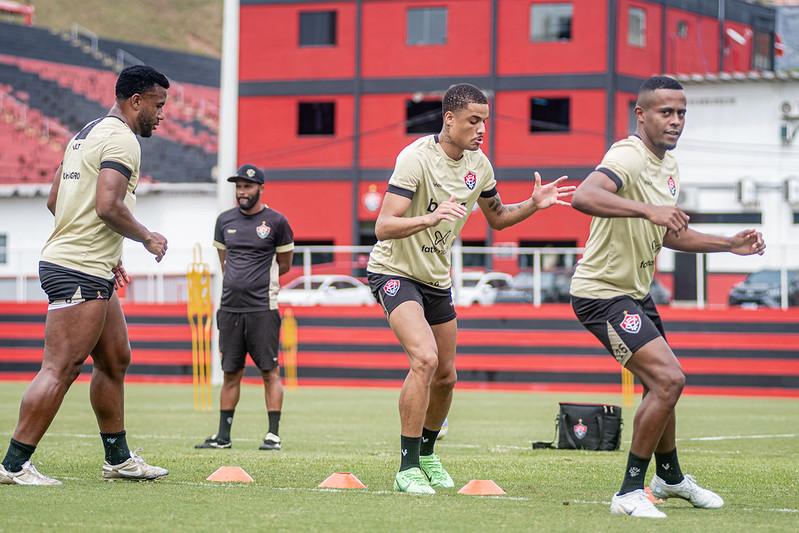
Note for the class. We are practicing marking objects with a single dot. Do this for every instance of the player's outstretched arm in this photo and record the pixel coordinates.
(746, 242)
(111, 208)
(501, 216)
(392, 224)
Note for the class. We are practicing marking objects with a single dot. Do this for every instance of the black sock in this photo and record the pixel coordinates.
(409, 447)
(116, 447)
(274, 422)
(225, 421)
(16, 455)
(635, 474)
(668, 467)
(428, 441)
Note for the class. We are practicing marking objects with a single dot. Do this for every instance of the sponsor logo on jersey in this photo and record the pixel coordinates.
(440, 245)
(70, 176)
(672, 186)
(631, 323)
(471, 180)
(580, 429)
(263, 230)
(391, 287)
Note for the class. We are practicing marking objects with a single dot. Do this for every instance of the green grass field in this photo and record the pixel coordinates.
(747, 449)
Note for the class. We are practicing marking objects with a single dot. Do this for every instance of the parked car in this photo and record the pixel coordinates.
(763, 288)
(330, 289)
(660, 294)
(480, 287)
(554, 288)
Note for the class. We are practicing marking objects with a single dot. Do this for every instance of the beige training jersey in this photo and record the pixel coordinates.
(81, 241)
(428, 176)
(619, 256)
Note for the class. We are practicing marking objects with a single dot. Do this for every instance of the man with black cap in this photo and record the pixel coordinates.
(255, 245)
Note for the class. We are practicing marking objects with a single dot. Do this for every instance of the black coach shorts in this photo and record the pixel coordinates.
(66, 287)
(622, 324)
(256, 333)
(390, 291)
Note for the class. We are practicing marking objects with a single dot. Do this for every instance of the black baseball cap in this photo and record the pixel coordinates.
(248, 172)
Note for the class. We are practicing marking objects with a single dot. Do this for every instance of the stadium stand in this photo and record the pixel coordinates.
(505, 347)
(52, 87)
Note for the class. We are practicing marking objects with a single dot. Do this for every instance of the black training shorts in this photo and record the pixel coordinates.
(390, 291)
(256, 333)
(622, 324)
(66, 287)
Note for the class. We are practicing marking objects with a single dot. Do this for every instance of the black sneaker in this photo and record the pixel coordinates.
(271, 442)
(213, 442)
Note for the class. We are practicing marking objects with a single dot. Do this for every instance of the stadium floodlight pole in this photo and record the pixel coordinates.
(228, 142)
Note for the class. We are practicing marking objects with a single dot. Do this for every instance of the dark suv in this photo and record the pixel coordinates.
(763, 288)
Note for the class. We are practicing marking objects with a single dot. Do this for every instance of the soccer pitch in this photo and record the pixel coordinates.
(746, 449)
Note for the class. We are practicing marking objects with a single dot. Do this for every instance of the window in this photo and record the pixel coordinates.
(761, 55)
(318, 29)
(427, 25)
(3, 253)
(478, 260)
(682, 29)
(550, 22)
(636, 32)
(316, 118)
(423, 117)
(549, 115)
(632, 120)
(317, 258)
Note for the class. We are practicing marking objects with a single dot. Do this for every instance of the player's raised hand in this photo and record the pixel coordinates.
(550, 194)
(448, 210)
(748, 242)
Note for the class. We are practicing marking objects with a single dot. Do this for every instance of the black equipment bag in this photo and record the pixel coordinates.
(587, 426)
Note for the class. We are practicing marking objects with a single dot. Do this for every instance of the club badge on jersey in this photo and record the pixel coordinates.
(631, 323)
(471, 180)
(263, 230)
(391, 287)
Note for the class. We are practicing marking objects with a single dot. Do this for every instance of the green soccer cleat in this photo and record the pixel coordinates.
(431, 466)
(412, 481)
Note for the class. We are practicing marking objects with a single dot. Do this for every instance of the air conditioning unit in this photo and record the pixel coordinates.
(790, 189)
(688, 200)
(746, 192)
(789, 109)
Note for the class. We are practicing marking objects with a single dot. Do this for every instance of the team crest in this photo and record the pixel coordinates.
(672, 186)
(580, 429)
(391, 287)
(470, 180)
(263, 230)
(631, 323)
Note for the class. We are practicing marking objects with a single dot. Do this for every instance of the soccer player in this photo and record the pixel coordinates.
(255, 245)
(92, 198)
(436, 182)
(632, 196)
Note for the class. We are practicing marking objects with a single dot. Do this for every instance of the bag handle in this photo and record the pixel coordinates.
(541, 444)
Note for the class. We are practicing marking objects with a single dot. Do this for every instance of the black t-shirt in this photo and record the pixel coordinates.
(250, 242)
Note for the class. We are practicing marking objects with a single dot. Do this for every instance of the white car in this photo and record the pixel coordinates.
(326, 290)
(480, 287)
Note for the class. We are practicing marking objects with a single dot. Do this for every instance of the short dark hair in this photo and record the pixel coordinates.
(138, 79)
(460, 96)
(659, 82)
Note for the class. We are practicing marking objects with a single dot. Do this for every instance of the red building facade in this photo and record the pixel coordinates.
(331, 91)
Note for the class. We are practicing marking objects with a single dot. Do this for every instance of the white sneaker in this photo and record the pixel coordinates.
(635, 504)
(687, 489)
(134, 468)
(27, 476)
(271, 442)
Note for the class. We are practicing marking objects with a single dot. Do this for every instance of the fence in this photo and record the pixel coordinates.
(518, 274)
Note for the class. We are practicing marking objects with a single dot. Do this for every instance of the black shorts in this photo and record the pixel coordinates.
(622, 324)
(390, 291)
(66, 287)
(256, 333)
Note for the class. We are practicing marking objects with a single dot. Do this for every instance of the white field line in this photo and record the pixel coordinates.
(736, 437)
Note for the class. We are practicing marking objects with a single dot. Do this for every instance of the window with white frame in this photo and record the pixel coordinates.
(551, 22)
(636, 31)
(427, 25)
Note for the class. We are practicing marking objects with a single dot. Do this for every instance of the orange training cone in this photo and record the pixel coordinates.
(342, 480)
(648, 493)
(481, 487)
(230, 473)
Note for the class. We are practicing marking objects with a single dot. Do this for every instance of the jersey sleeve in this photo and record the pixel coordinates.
(407, 174)
(219, 235)
(121, 152)
(489, 189)
(623, 163)
(285, 237)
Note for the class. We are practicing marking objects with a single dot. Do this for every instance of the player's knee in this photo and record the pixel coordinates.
(424, 363)
(670, 386)
(446, 381)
